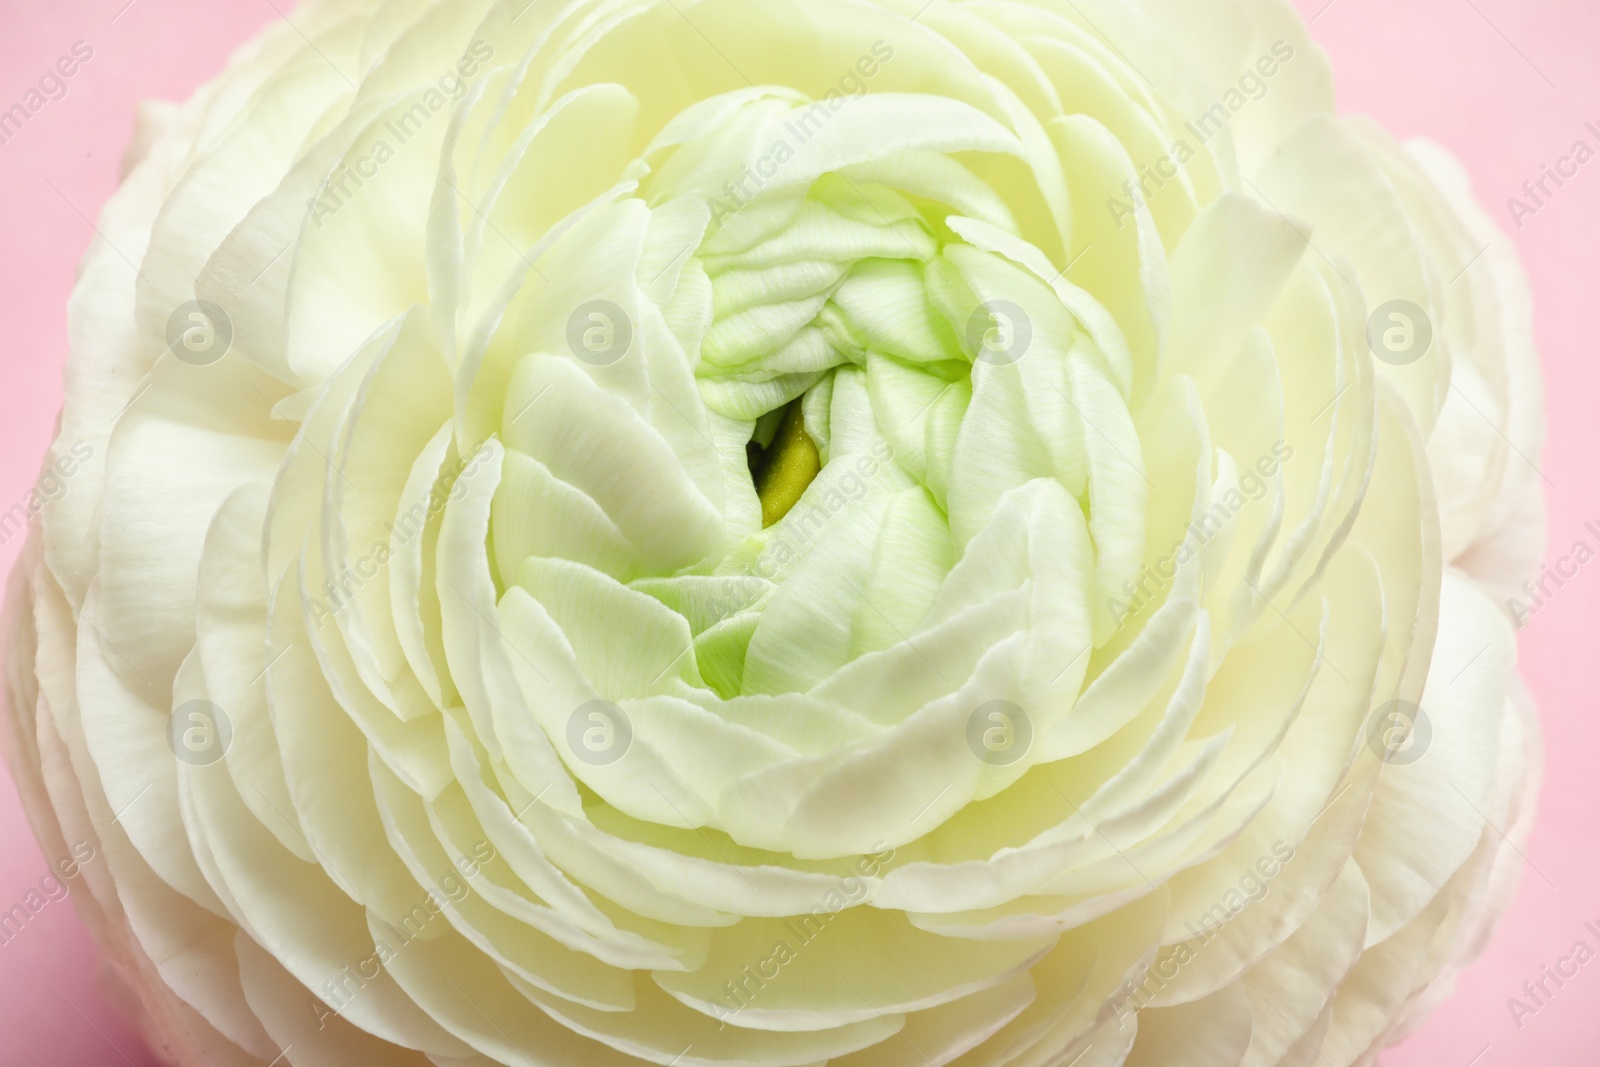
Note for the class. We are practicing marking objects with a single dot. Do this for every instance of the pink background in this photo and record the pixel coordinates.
(1506, 84)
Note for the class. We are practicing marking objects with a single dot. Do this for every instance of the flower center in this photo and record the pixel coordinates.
(838, 276)
(784, 464)
(887, 358)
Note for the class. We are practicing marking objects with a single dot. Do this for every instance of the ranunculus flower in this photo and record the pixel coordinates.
(771, 532)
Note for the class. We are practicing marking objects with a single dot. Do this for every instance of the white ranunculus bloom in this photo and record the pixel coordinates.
(783, 532)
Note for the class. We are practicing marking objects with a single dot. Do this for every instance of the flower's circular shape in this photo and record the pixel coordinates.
(777, 533)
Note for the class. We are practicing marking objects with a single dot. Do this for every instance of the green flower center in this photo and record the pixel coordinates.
(784, 466)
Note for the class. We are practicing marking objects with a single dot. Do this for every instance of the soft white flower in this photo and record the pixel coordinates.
(773, 532)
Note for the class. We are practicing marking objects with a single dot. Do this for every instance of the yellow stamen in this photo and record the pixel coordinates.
(788, 466)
